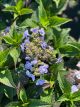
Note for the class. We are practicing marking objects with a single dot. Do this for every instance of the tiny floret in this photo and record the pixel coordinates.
(40, 82)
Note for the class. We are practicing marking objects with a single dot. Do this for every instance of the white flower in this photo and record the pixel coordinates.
(74, 88)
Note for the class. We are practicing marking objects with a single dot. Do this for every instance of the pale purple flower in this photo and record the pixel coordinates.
(34, 62)
(35, 30)
(43, 69)
(22, 47)
(77, 74)
(40, 82)
(27, 58)
(27, 41)
(7, 29)
(42, 32)
(74, 88)
(26, 34)
(51, 48)
(41, 37)
(28, 65)
(59, 60)
(44, 45)
(30, 75)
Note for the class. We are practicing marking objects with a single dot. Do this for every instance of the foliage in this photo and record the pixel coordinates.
(34, 56)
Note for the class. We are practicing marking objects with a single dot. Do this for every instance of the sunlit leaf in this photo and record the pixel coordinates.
(43, 15)
(14, 54)
(3, 56)
(25, 11)
(6, 78)
(58, 21)
(23, 95)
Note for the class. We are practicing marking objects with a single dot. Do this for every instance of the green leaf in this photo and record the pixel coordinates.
(43, 15)
(75, 96)
(38, 103)
(9, 92)
(25, 11)
(49, 34)
(17, 37)
(57, 2)
(19, 5)
(71, 50)
(60, 37)
(46, 96)
(17, 104)
(28, 23)
(58, 21)
(14, 104)
(14, 54)
(3, 56)
(6, 78)
(63, 98)
(23, 95)
(62, 5)
(10, 9)
(9, 40)
(63, 83)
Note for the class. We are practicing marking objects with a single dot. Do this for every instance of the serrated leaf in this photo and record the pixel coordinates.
(17, 37)
(38, 103)
(60, 37)
(6, 78)
(63, 98)
(58, 21)
(46, 96)
(75, 96)
(28, 23)
(71, 50)
(23, 95)
(43, 15)
(63, 83)
(3, 56)
(9, 40)
(14, 54)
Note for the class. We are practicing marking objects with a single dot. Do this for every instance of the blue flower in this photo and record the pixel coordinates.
(43, 69)
(74, 88)
(44, 45)
(34, 62)
(40, 82)
(42, 32)
(22, 47)
(26, 34)
(35, 30)
(27, 41)
(7, 29)
(30, 75)
(28, 65)
(59, 60)
(24, 44)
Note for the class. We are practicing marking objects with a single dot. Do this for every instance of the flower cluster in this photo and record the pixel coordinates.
(38, 53)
